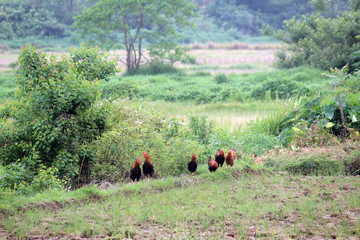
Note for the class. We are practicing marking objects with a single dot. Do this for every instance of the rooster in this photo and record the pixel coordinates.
(230, 158)
(213, 165)
(192, 165)
(219, 157)
(135, 172)
(148, 167)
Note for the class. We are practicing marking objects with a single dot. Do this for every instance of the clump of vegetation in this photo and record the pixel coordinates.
(320, 41)
(55, 117)
(132, 132)
(221, 78)
(154, 68)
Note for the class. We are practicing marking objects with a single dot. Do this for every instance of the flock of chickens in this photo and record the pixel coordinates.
(148, 167)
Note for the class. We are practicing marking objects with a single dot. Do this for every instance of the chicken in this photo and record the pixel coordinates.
(230, 158)
(220, 157)
(135, 172)
(148, 167)
(213, 165)
(192, 165)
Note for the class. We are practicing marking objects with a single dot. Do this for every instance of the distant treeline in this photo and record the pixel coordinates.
(232, 18)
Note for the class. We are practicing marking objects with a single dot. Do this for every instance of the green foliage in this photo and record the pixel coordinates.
(45, 179)
(154, 68)
(307, 164)
(129, 23)
(319, 42)
(23, 20)
(221, 78)
(279, 89)
(202, 88)
(93, 63)
(134, 132)
(13, 175)
(201, 128)
(248, 16)
(7, 87)
(352, 163)
(319, 113)
(54, 119)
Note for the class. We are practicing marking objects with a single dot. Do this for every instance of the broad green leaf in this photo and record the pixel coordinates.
(329, 110)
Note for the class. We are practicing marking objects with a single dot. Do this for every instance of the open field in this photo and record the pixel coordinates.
(252, 58)
(230, 115)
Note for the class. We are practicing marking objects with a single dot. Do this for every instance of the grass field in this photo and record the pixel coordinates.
(240, 203)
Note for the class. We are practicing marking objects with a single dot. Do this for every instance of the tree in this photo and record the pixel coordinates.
(130, 23)
(320, 42)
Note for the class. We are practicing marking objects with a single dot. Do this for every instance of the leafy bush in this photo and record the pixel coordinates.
(319, 42)
(352, 163)
(325, 112)
(92, 63)
(154, 68)
(55, 117)
(221, 78)
(281, 89)
(13, 175)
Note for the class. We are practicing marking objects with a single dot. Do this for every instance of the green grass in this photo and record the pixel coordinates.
(228, 202)
(7, 87)
(205, 89)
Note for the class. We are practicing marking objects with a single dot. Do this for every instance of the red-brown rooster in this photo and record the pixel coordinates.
(135, 173)
(148, 167)
(213, 165)
(230, 158)
(192, 165)
(220, 157)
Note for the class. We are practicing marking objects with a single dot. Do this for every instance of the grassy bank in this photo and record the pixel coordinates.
(235, 203)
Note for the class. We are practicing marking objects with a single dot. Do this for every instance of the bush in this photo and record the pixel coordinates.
(281, 89)
(93, 63)
(55, 117)
(320, 42)
(154, 68)
(221, 78)
(352, 163)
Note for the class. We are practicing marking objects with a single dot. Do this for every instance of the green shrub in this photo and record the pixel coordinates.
(154, 68)
(221, 78)
(93, 63)
(13, 175)
(281, 89)
(352, 163)
(320, 42)
(55, 118)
